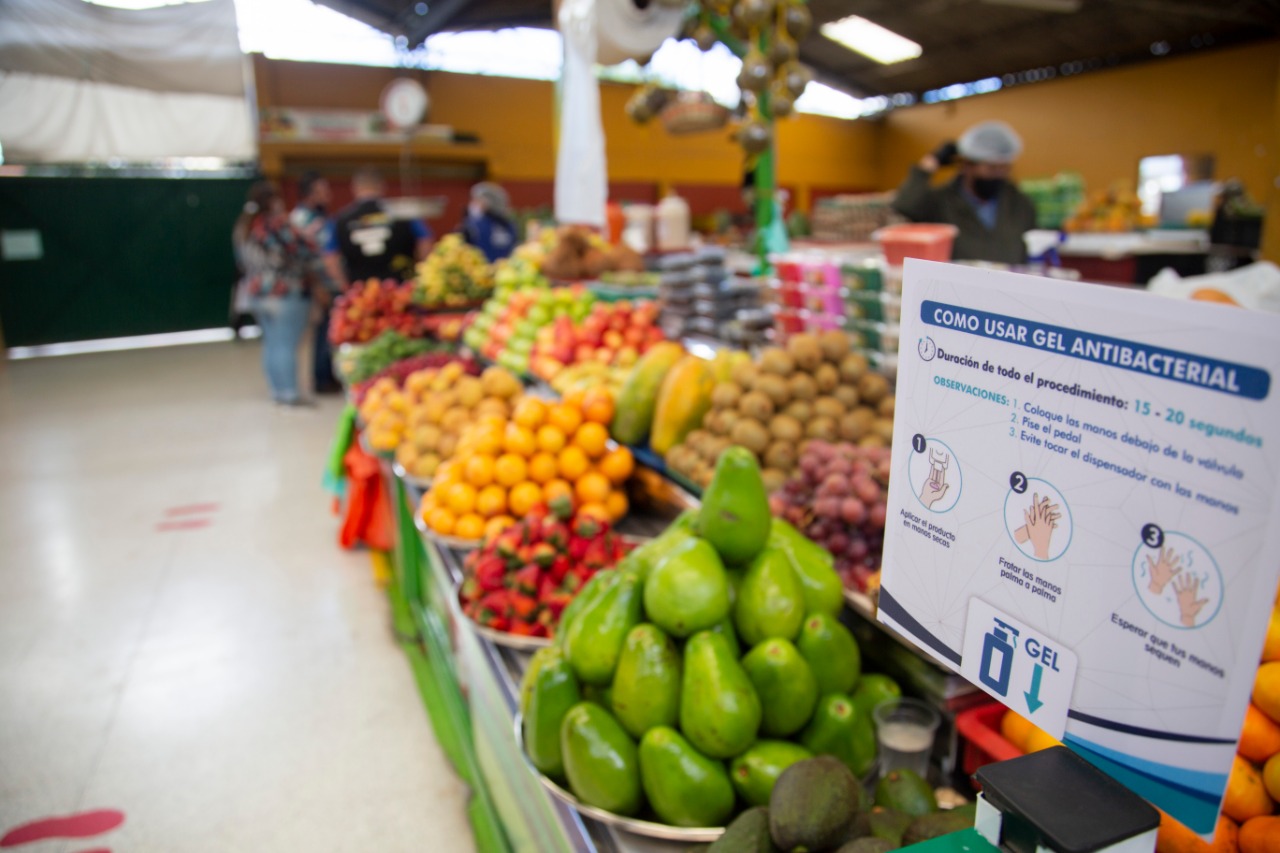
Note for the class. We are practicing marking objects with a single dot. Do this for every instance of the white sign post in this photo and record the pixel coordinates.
(1082, 518)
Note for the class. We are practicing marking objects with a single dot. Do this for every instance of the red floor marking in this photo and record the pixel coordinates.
(191, 509)
(189, 524)
(83, 825)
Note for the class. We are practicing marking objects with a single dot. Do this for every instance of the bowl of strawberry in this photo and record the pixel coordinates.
(516, 585)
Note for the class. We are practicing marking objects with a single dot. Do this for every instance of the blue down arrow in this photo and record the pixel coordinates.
(1033, 695)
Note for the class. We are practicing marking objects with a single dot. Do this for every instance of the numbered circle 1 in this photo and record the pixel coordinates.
(1038, 519)
(1179, 582)
(934, 473)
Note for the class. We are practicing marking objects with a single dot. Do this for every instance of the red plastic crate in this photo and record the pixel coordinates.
(982, 743)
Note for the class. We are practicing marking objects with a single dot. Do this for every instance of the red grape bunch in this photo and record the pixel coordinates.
(837, 499)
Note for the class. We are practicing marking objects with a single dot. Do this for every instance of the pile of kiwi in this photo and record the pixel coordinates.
(815, 387)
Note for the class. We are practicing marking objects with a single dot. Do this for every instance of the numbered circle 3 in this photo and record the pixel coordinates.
(1179, 582)
(934, 473)
(1037, 518)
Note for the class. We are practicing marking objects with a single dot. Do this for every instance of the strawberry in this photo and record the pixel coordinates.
(536, 516)
(578, 548)
(490, 573)
(523, 607)
(556, 602)
(598, 554)
(560, 567)
(547, 585)
(470, 590)
(526, 580)
(507, 543)
(555, 533)
(571, 583)
(562, 507)
(586, 526)
(544, 554)
(521, 629)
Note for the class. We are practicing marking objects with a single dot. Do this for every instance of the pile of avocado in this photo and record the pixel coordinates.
(684, 682)
(818, 806)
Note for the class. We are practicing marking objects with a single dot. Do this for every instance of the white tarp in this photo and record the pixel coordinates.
(81, 82)
(582, 186)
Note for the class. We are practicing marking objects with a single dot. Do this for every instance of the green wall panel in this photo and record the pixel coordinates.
(122, 256)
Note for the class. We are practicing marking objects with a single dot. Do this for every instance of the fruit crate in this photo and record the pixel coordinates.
(980, 738)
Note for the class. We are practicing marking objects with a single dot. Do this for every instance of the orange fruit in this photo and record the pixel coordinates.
(1266, 690)
(1016, 729)
(556, 489)
(496, 525)
(594, 510)
(510, 469)
(566, 417)
(516, 439)
(525, 497)
(470, 526)
(530, 413)
(1226, 836)
(461, 498)
(1260, 835)
(1246, 796)
(573, 463)
(618, 464)
(617, 505)
(592, 488)
(542, 468)
(1040, 739)
(492, 501)
(442, 521)
(1271, 777)
(597, 406)
(1260, 737)
(592, 438)
(487, 438)
(574, 398)
(479, 471)
(447, 474)
(1271, 648)
(550, 438)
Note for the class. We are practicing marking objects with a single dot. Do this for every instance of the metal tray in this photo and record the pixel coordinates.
(416, 482)
(501, 638)
(636, 826)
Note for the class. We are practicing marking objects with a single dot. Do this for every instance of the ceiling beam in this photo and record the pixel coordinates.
(439, 14)
(1204, 11)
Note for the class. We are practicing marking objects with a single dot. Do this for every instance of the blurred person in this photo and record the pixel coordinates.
(991, 213)
(280, 263)
(311, 216)
(368, 242)
(489, 225)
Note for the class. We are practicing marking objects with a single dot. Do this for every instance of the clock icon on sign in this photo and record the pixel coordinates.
(927, 348)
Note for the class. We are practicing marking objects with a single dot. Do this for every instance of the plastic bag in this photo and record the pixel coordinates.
(1256, 286)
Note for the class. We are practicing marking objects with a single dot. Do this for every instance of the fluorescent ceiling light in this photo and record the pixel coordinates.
(871, 40)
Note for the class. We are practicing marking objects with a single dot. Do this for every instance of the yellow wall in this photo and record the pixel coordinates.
(1222, 103)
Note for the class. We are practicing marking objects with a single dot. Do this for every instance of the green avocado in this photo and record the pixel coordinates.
(814, 567)
(596, 636)
(749, 833)
(874, 689)
(735, 516)
(814, 804)
(586, 596)
(889, 824)
(684, 787)
(643, 559)
(832, 732)
(832, 651)
(553, 691)
(755, 771)
(719, 709)
(904, 791)
(646, 685)
(770, 601)
(785, 685)
(600, 760)
(938, 824)
(688, 590)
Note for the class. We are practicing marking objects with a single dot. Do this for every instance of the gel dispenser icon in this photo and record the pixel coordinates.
(997, 657)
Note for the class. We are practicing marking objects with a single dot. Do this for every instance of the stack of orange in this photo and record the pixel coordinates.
(545, 452)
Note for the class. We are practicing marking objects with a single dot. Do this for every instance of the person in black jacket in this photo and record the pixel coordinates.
(368, 242)
(990, 211)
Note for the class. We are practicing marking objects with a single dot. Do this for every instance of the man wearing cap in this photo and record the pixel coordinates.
(991, 213)
(488, 225)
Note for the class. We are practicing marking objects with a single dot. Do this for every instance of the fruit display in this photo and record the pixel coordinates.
(615, 333)
(836, 497)
(422, 421)
(367, 310)
(575, 253)
(529, 570)
(448, 327)
(384, 351)
(690, 677)
(455, 274)
(814, 388)
(588, 375)
(397, 372)
(817, 805)
(546, 452)
(509, 322)
(668, 393)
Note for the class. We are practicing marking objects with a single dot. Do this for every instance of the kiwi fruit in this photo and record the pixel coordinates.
(847, 395)
(852, 366)
(781, 455)
(803, 387)
(852, 427)
(715, 446)
(756, 405)
(713, 424)
(827, 378)
(883, 427)
(872, 388)
(786, 428)
(728, 417)
(773, 479)
(886, 407)
(680, 459)
(696, 439)
(835, 345)
(805, 350)
(775, 360)
(751, 435)
(775, 388)
(725, 395)
(823, 428)
(801, 410)
(701, 474)
(828, 407)
(744, 375)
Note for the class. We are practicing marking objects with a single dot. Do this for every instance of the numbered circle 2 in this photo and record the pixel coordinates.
(934, 473)
(1038, 520)
(1179, 582)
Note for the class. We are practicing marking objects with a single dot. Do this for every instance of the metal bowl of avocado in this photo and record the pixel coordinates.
(636, 826)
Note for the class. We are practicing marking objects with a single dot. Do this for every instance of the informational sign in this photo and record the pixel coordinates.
(1083, 516)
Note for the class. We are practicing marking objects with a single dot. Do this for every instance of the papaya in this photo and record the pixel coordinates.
(682, 402)
(633, 412)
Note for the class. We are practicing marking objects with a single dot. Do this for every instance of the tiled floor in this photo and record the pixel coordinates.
(231, 686)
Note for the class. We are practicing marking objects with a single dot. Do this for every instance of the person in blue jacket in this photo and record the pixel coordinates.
(489, 225)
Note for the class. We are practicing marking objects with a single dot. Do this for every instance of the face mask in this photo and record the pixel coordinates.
(987, 188)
